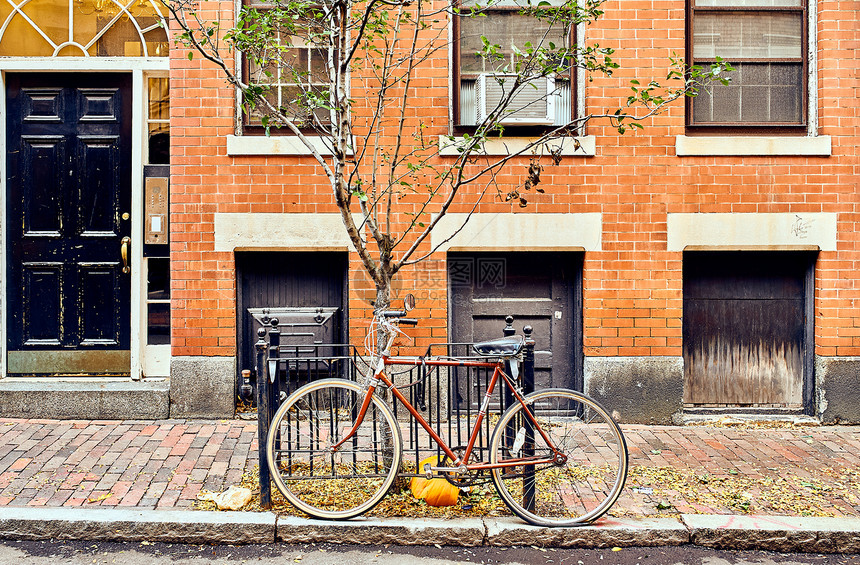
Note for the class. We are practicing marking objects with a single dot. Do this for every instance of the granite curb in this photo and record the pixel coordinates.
(775, 533)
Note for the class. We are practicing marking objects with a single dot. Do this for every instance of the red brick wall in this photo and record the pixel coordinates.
(632, 287)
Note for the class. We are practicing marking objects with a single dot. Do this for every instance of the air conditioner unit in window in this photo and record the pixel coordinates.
(533, 104)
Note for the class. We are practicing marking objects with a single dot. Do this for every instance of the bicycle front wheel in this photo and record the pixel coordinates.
(340, 484)
(585, 478)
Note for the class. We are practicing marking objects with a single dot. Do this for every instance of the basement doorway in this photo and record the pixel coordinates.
(540, 289)
(748, 330)
(304, 290)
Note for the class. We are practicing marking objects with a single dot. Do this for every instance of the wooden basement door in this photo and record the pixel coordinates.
(746, 328)
(540, 289)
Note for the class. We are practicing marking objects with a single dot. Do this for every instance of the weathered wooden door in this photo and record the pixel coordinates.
(68, 210)
(539, 289)
(745, 328)
(312, 284)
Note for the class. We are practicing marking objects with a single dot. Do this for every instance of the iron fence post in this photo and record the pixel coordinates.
(529, 446)
(508, 331)
(262, 421)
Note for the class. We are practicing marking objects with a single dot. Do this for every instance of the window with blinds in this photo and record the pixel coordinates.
(765, 42)
(504, 25)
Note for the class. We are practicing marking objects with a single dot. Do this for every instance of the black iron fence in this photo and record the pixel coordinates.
(448, 398)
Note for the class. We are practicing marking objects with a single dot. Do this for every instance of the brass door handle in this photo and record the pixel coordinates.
(123, 250)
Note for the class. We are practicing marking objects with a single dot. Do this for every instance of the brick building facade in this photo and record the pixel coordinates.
(705, 264)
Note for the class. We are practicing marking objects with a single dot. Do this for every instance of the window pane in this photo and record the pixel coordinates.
(757, 93)
(159, 99)
(745, 36)
(158, 323)
(158, 278)
(505, 29)
(468, 109)
(126, 37)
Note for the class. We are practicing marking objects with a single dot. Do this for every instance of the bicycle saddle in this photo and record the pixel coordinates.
(502, 347)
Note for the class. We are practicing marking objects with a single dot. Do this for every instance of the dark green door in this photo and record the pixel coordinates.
(68, 210)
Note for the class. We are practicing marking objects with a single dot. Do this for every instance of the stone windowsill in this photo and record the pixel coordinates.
(688, 146)
(238, 145)
(508, 145)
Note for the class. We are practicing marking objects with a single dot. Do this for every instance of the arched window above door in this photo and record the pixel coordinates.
(83, 28)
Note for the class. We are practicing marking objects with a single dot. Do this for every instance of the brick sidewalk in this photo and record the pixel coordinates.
(164, 464)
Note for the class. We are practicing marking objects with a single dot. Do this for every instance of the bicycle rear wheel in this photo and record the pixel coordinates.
(578, 487)
(325, 484)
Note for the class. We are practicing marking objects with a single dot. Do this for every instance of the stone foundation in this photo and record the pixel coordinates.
(202, 387)
(637, 390)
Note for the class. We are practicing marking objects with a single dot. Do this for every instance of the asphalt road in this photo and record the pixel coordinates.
(93, 553)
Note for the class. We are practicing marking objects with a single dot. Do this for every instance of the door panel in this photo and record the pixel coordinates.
(99, 304)
(68, 186)
(744, 328)
(42, 157)
(542, 290)
(42, 307)
(98, 170)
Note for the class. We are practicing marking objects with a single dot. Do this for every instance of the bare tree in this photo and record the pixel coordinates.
(301, 56)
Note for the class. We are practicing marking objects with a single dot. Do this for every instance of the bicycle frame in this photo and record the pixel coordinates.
(379, 376)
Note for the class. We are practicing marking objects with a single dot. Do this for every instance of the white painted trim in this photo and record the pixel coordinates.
(812, 68)
(507, 145)
(156, 361)
(686, 146)
(746, 231)
(519, 232)
(276, 145)
(3, 220)
(64, 64)
(272, 231)
(138, 137)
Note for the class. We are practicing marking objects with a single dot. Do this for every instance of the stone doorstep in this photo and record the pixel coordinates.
(776, 533)
(83, 398)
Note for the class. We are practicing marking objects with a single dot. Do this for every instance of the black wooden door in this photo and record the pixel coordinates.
(539, 289)
(68, 211)
(745, 329)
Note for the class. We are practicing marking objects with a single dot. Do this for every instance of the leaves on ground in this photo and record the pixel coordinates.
(819, 492)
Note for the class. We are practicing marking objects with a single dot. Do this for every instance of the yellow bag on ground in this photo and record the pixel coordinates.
(435, 492)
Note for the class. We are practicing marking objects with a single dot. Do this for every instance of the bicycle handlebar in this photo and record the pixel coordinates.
(393, 313)
(408, 321)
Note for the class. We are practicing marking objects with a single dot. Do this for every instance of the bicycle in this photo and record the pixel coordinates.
(556, 456)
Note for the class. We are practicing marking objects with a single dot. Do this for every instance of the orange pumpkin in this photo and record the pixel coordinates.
(435, 492)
